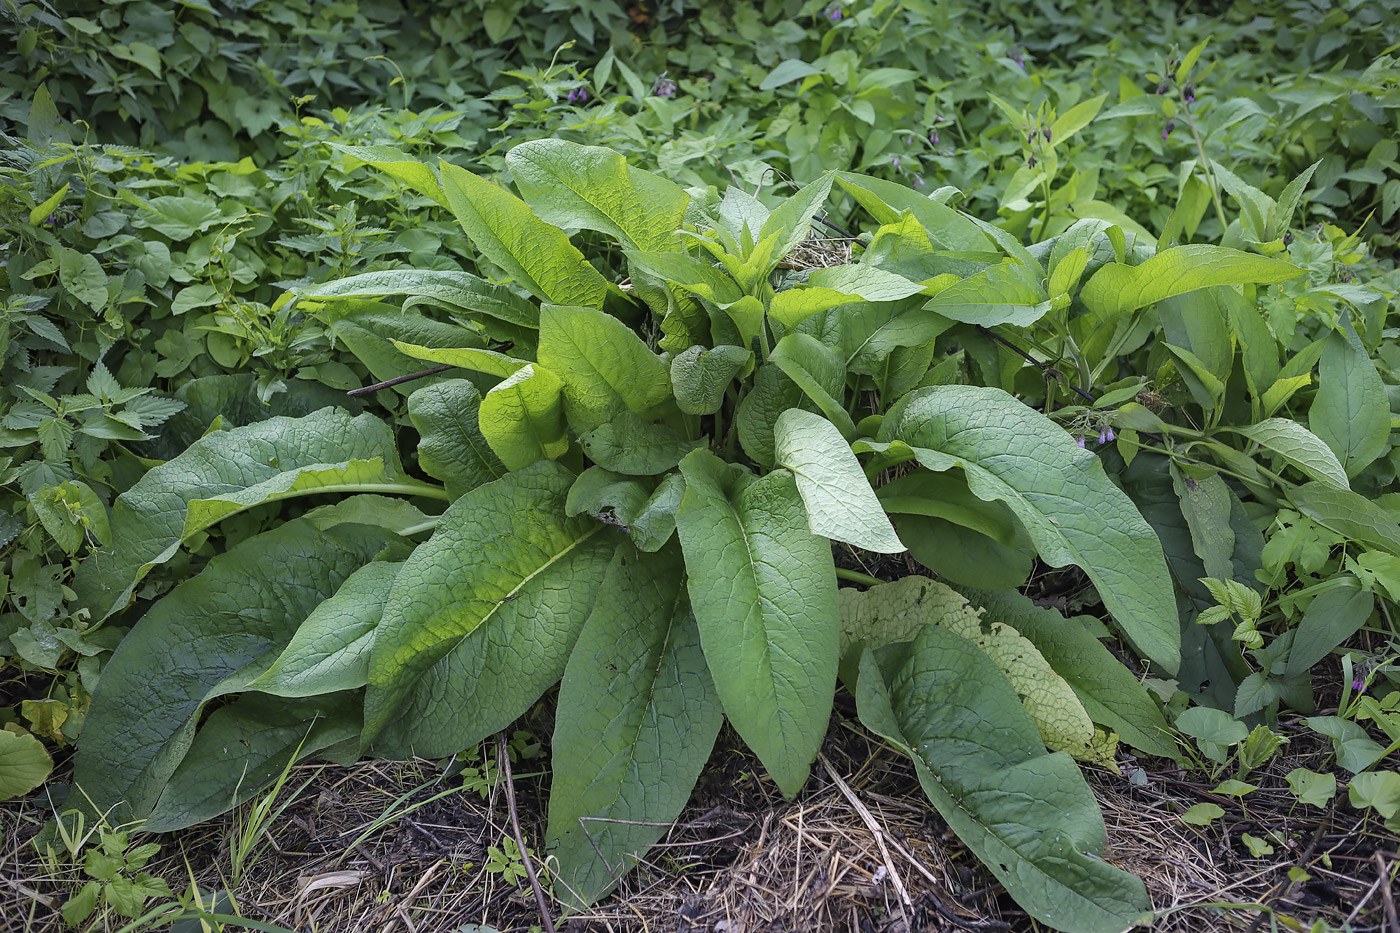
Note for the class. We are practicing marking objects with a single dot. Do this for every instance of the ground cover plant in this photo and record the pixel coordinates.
(653, 438)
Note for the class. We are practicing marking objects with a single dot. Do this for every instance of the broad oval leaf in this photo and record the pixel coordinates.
(522, 418)
(482, 617)
(457, 289)
(1117, 288)
(700, 376)
(1351, 411)
(637, 717)
(839, 501)
(1027, 815)
(228, 471)
(629, 444)
(999, 294)
(209, 637)
(604, 366)
(1069, 507)
(451, 446)
(24, 763)
(593, 188)
(1300, 447)
(763, 589)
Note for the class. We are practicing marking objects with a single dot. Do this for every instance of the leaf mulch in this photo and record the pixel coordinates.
(859, 850)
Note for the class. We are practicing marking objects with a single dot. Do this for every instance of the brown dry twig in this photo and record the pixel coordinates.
(504, 753)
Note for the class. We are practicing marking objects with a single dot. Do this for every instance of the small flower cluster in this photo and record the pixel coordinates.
(834, 13)
(1034, 135)
(664, 87)
(1016, 56)
(1188, 94)
(1106, 435)
(578, 96)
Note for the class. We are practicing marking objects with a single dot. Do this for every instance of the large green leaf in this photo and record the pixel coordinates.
(999, 294)
(605, 367)
(1330, 619)
(1109, 691)
(885, 200)
(839, 501)
(482, 617)
(243, 746)
(763, 589)
(209, 637)
(630, 444)
(330, 650)
(701, 375)
(537, 255)
(1348, 514)
(592, 188)
(522, 418)
(1060, 492)
(24, 764)
(228, 471)
(1351, 411)
(1117, 288)
(1301, 448)
(451, 446)
(415, 173)
(456, 289)
(819, 372)
(1027, 815)
(637, 717)
(772, 394)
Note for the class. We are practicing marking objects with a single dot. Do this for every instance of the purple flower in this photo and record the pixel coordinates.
(1046, 133)
(1166, 130)
(1080, 441)
(895, 161)
(1108, 433)
(1018, 59)
(53, 220)
(933, 138)
(1103, 437)
(1190, 94)
(1162, 88)
(1030, 163)
(665, 87)
(1358, 683)
(1030, 137)
(918, 181)
(578, 96)
(834, 13)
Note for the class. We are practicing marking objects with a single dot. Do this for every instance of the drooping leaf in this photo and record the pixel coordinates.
(772, 394)
(791, 220)
(839, 501)
(537, 255)
(330, 650)
(885, 200)
(592, 188)
(628, 444)
(638, 715)
(701, 375)
(482, 617)
(999, 294)
(209, 637)
(1330, 619)
(1348, 514)
(763, 589)
(604, 366)
(415, 173)
(451, 446)
(228, 471)
(243, 746)
(456, 289)
(1060, 493)
(24, 764)
(1117, 289)
(819, 372)
(1300, 447)
(1027, 815)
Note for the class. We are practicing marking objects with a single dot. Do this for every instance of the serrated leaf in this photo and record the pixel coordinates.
(763, 589)
(638, 715)
(1070, 509)
(592, 188)
(209, 637)
(535, 254)
(1117, 289)
(1027, 815)
(839, 501)
(482, 617)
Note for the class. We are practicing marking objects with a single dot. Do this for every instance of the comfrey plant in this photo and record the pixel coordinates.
(637, 490)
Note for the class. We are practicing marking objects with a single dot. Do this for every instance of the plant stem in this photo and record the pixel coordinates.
(1205, 163)
(855, 576)
(399, 380)
(525, 860)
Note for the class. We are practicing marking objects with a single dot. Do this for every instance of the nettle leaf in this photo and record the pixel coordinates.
(1029, 816)
(701, 375)
(1117, 289)
(482, 617)
(967, 540)
(244, 746)
(592, 188)
(229, 471)
(1110, 692)
(330, 650)
(999, 294)
(522, 418)
(460, 290)
(451, 446)
(211, 636)
(535, 254)
(605, 367)
(894, 612)
(1351, 411)
(637, 718)
(1301, 448)
(1060, 493)
(839, 501)
(763, 589)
